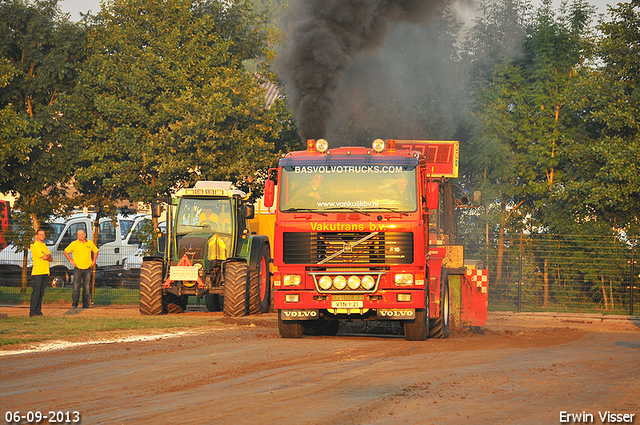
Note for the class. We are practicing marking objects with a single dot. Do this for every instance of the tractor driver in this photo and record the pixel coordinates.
(217, 217)
(208, 218)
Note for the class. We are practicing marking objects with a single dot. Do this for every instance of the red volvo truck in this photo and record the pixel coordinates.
(369, 234)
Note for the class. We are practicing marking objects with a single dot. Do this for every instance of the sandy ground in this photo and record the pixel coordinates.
(519, 369)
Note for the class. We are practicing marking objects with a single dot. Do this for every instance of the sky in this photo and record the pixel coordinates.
(74, 7)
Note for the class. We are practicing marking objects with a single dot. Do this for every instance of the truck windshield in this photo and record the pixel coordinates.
(348, 187)
(204, 214)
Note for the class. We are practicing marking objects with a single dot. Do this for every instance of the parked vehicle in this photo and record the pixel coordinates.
(5, 214)
(117, 239)
(131, 265)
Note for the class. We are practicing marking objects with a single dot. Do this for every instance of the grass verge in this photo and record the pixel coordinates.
(20, 330)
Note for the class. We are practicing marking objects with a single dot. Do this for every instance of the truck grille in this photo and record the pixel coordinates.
(383, 248)
(192, 246)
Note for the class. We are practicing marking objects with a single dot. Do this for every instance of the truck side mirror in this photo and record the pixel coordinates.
(249, 212)
(156, 208)
(269, 193)
(433, 200)
(477, 198)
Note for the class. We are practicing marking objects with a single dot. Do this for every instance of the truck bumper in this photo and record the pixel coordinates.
(389, 304)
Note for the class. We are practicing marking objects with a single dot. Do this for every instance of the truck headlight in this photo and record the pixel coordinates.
(291, 280)
(339, 282)
(325, 282)
(404, 279)
(368, 282)
(353, 282)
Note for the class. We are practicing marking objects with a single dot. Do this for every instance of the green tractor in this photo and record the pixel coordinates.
(207, 251)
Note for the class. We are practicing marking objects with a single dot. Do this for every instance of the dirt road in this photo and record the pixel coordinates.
(520, 370)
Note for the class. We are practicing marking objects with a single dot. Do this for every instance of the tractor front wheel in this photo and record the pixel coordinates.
(235, 289)
(264, 278)
(151, 288)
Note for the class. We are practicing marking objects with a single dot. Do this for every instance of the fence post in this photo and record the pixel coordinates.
(633, 275)
(520, 276)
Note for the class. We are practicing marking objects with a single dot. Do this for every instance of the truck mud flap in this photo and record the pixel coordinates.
(396, 314)
(300, 314)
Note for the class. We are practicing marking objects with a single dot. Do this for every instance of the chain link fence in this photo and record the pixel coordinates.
(562, 273)
(117, 283)
(532, 273)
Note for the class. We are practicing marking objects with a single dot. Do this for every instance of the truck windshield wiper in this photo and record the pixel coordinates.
(395, 210)
(304, 210)
(346, 208)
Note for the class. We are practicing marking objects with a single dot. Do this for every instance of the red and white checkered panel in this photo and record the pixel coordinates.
(474, 297)
(479, 279)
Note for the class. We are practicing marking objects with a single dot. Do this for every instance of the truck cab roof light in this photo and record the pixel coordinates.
(391, 146)
(322, 145)
(378, 145)
(311, 145)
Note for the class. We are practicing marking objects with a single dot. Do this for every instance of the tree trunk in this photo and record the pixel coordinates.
(611, 294)
(604, 294)
(500, 254)
(545, 277)
(23, 288)
(487, 235)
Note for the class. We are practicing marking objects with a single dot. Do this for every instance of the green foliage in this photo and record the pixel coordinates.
(165, 100)
(39, 52)
(606, 151)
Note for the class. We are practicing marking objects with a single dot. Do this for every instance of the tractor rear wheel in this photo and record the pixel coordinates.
(289, 328)
(418, 329)
(213, 302)
(260, 285)
(151, 288)
(439, 328)
(264, 278)
(235, 289)
(175, 304)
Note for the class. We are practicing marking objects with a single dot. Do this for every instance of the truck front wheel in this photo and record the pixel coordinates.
(151, 288)
(235, 289)
(289, 328)
(418, 329)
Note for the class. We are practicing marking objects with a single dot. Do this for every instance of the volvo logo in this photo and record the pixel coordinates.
(396, 314)
(299, 314)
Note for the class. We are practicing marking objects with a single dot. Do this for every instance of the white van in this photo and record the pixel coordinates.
(117, 239)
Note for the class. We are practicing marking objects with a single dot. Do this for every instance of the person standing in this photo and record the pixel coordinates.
(41, 258)
(81, 250)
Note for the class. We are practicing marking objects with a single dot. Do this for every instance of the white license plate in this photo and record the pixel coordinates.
(347, 304)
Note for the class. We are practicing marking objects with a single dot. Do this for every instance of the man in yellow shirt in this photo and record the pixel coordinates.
(41, 258)
(81, 250)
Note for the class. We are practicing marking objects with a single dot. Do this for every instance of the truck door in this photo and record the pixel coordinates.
(109, 243)
(69, 234)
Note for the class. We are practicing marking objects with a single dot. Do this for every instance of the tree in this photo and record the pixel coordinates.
(164, 100)
(605, 153)
(39, 54)
(523, 116)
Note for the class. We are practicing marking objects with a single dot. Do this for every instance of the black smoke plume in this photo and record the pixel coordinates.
(324, 38)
